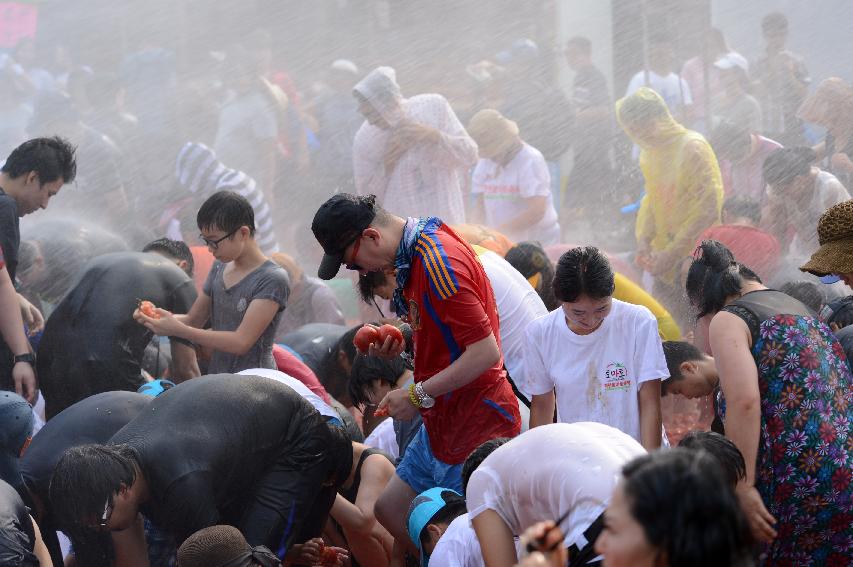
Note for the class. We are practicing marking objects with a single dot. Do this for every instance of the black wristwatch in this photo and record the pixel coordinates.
(29, 358)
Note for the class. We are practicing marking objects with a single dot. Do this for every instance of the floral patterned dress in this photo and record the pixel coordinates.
(805, 453)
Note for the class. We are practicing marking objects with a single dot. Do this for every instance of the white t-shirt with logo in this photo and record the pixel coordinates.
(597, 376)
(549, 471)
(504, 187)
(518, 305)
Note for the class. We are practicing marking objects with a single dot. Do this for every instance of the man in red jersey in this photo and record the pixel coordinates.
(460, 388)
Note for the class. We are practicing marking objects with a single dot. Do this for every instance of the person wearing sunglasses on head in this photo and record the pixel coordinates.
(243, 298)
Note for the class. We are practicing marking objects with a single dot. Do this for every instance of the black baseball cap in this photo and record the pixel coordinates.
(337, 224)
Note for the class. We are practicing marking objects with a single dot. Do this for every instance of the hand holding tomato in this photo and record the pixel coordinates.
(365, 337)
(390, 344)
(332, 556)
(398, 405)
(160, 321)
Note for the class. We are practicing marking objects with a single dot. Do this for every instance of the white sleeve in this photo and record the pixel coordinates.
(536, 379)
(535, 178)
(651, 362)
(480, 493)
(635, 84)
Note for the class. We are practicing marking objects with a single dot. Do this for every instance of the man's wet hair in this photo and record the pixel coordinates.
(174, 249)
(366, 370)
(677, 353)
(226, 211)
(744, 207)
(722, 449)
(806, 292)
(51, 158)
(86, 478)
(583, 271)
(454, 506)
(477, 456)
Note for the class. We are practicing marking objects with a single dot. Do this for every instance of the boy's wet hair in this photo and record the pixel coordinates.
(676, 353)
(226, 211)
(368, 369)
(477, 456)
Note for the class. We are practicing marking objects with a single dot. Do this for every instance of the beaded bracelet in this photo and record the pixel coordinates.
(413, 397)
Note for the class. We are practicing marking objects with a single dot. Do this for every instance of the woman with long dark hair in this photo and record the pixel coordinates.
(788, 407)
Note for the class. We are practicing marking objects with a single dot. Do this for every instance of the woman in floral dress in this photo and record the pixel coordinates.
(788, 403)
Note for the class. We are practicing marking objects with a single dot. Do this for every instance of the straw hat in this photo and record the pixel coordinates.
(835, 234)
(494, 133)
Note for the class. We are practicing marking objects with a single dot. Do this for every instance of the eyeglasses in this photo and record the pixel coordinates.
(108, 511)
(214, 244)
(352, 265)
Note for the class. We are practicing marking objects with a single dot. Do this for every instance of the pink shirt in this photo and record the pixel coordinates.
(746, 178)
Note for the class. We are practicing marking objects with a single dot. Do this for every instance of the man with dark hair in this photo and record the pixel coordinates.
(91, 343)
(34, 172)
(691, 372)
(92, 420)
(460, 389)
(477, 456)
(175, 250)
(242, 450)
(243, 297)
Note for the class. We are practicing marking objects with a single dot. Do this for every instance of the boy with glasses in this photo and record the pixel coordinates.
(244, 295)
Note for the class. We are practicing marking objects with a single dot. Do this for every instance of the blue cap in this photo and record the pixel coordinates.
(156, 387)
(830, 278)
(425, 505)
(16, 430)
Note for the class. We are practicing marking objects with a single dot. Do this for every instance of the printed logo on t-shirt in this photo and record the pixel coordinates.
(241, 305)
(616, 378)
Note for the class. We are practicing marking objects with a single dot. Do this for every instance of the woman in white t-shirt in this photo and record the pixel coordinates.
(561, 472)
(595, 358)
(511, 181)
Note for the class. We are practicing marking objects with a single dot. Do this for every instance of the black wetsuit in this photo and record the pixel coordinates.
(17, 536)
(91, 342)
(93, 420)
(242, 450)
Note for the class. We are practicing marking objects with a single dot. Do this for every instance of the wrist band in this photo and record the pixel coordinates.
(413, 397)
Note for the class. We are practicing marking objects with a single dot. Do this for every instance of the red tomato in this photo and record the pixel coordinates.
(390, 331)
(328, 556)
(147, 309)
(381, 412)
(365, 337)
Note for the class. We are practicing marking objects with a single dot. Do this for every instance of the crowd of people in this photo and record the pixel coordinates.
(478, 387)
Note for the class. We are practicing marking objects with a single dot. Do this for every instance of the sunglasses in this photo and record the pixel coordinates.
(353, 265)
(214, 244)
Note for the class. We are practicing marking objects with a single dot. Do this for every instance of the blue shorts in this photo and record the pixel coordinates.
(421, 470)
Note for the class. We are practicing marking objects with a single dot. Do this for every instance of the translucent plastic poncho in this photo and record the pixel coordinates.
(684, 188)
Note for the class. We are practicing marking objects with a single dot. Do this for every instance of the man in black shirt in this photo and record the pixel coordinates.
(91, 343)
(242, 450)
(33, 173)
(93, 420)
(591, 176)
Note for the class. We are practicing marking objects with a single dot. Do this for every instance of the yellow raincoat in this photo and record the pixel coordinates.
(684, 188)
